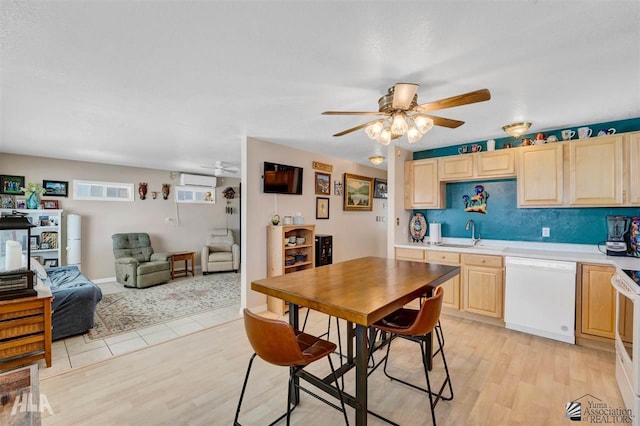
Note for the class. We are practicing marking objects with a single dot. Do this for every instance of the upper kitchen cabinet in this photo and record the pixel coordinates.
(540, 176)
(634, 168)
(596, 172)
(482, 165)
(496, 164)
(422, 188)
(456, 167)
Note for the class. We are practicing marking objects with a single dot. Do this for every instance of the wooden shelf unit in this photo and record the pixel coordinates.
(25, 330)
(277, 252)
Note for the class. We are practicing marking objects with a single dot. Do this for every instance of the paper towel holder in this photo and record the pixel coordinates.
(435, 233)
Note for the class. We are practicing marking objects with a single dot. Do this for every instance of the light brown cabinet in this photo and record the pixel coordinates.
(496, 164)
(596, 172)
(633, 190)
(597, 302)
(456, 167)
(483, 285)
(451, 296)
(422, 188)
(283, 258)
(416, 255)
(540, 176)
(481, 165)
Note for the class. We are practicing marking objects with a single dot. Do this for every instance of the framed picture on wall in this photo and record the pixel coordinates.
(11, 185)
(56, 188)
(323, 183)
(379, 188)
(358, 193)
(322, 208)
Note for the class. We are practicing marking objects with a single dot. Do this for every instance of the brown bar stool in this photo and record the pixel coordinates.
(276, 342)
(415, 325)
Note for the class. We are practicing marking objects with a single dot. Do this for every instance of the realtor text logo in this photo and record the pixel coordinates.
(24, 403)
(590, 409)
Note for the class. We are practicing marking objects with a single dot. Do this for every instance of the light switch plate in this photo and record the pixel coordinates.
(546, 232)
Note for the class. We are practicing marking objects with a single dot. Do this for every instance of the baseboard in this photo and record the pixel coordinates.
(104, 280)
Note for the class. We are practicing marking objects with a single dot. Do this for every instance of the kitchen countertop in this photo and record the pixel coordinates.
(551, 251)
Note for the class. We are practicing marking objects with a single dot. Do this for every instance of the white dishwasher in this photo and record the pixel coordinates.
(540, 297)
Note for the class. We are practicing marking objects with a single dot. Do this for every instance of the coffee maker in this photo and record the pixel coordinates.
(617, 235)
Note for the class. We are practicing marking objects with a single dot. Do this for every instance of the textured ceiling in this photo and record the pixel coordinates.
(177, 85)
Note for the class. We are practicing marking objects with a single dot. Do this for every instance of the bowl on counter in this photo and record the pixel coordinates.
(300, 240)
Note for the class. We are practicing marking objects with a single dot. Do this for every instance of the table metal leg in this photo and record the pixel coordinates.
(350, 342)
(293, 320)
(361, 375)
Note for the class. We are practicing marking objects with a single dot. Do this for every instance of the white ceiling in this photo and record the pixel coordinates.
(177, 85)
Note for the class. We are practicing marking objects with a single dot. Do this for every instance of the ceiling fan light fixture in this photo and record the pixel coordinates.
(516, 129)
(399, 124)
(413, 135)
(376, 160)
(373, 130)
(423, 123)
(385, 137)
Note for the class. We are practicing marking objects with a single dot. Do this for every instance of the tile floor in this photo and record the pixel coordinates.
(78, 351)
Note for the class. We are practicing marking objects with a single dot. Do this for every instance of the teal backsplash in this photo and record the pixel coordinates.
(505, 221)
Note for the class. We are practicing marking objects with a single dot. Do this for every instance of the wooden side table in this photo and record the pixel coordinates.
(186, 256)
(25, 330)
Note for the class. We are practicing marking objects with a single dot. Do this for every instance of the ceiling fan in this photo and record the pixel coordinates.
(222, 168)
(402, 114)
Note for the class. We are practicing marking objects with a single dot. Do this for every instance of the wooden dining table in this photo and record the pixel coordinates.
(360, 291)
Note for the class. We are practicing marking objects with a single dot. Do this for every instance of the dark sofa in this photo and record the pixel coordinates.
(74, 301)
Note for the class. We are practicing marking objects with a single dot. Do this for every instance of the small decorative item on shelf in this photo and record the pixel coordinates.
(32, 191)
(289, 260)
(165, 190)
(300, 257)
(275, 219)
(142, 190)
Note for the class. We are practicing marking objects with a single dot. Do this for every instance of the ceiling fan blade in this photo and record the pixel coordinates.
(446, 122)
(403, 94)
(454, 101)
(352, 113)
(353, 129)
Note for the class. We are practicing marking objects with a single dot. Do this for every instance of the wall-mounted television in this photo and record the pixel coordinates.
(282, 179)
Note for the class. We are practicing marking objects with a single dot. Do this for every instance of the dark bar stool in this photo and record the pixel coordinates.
(415, 325)
(276, 342)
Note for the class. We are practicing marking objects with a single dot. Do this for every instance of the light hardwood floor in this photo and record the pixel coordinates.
(500, 377)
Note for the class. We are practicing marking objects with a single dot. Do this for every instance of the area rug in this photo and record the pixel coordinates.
(136, 308)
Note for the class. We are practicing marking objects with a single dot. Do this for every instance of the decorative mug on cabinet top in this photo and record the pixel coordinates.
(567, 134)
(476, 148)
(605, 132)
(584, 132)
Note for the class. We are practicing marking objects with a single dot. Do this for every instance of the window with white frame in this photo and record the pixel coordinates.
(195, 194)
(102, 191)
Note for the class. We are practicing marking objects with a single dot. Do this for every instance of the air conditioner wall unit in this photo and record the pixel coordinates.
(197, 180)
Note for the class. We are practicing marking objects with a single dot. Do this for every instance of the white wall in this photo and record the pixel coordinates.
(355, 234)
(101, 219)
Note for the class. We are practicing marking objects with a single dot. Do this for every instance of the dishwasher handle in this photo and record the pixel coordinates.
(551, 265)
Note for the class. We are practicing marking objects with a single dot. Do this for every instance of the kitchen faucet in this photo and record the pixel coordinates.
(474, 240)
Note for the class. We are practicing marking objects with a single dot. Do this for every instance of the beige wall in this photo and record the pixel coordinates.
(355, 234)
(101, 219)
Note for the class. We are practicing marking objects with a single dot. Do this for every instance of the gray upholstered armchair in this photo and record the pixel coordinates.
(220, 253)
(136, 263)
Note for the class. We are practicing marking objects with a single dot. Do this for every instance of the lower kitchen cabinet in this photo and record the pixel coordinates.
(416, 255)
(451, 296)
(483, 285)
(597, 302)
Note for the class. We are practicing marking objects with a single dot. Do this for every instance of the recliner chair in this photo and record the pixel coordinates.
(220, 253)
(136, 263)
